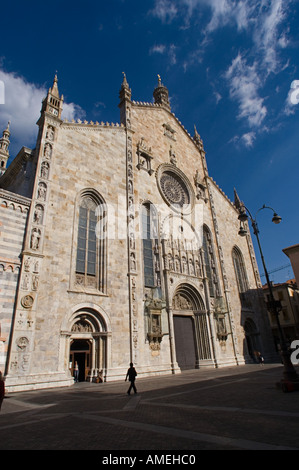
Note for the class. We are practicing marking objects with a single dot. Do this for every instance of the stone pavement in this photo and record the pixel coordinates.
(236, 408)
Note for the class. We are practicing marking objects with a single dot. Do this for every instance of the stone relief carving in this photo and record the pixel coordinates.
(27, 301)
(82, 327)
(169, 131)
(22, 343)
(145, 157)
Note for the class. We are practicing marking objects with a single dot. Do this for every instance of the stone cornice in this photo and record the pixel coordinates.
(90, 125)
(13, 197)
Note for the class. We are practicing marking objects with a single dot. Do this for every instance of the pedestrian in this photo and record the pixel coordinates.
(2, 389)
(260, 358)
(132, 375)
(76, 372)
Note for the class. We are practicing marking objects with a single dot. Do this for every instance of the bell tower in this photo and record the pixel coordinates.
(4, 152)
(53, 102)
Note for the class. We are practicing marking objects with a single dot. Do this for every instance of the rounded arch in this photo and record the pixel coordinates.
(95, 315)
(87, 336)
(190, 294)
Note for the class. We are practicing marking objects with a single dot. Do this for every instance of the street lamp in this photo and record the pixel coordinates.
(290, 380)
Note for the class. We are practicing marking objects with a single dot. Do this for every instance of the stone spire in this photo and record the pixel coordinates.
(237, 202)
(125, 91)
(161, 94)
(125, 95)
(197, 139)
(4, 152)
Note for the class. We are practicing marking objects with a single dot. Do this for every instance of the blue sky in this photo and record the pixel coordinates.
(231, 67)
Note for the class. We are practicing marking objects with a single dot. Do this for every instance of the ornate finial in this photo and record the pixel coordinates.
(125, 82)
(161, 94)
(197, 139)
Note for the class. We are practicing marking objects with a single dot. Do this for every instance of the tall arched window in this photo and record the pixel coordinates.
(210, 263)
(91, 243)
(150, 240)
(241, 275)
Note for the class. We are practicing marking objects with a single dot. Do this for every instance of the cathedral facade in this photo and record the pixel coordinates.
(116, 246)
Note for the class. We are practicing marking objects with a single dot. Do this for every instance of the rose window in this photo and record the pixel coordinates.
(174, 189)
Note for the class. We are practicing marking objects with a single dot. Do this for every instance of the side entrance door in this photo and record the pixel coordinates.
(80, 352)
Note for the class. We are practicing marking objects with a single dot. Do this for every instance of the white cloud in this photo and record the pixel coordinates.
(169, 50)
(225, 12)
(244, 83)
(158, 49)
(293, 98)
(165, 10)
(267, 36)
(22, 107)
(248, 139)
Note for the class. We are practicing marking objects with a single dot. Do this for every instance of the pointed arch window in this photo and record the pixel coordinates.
(150, 246)
(241, 276)
(209, 260)
(91, 243)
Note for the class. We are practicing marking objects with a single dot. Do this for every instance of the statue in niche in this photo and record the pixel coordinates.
(191, 267)
(38, 214)
(27, 265)
(132, 241)
(36, 267)
(50, 133)
(25, 282)
(34, 282)
(184, 264)
(45, 170)
(133, 261)
(170, 262)
(177, 264)
(48, 151)
(42, 191)
(35, 239)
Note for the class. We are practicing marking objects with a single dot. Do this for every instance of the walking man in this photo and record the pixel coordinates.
(132, 375)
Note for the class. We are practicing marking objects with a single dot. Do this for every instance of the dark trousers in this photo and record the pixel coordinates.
(132, 386)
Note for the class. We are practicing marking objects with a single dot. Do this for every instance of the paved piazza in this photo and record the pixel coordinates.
(236, 408)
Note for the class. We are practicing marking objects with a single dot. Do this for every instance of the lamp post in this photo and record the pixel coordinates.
(290, 379)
